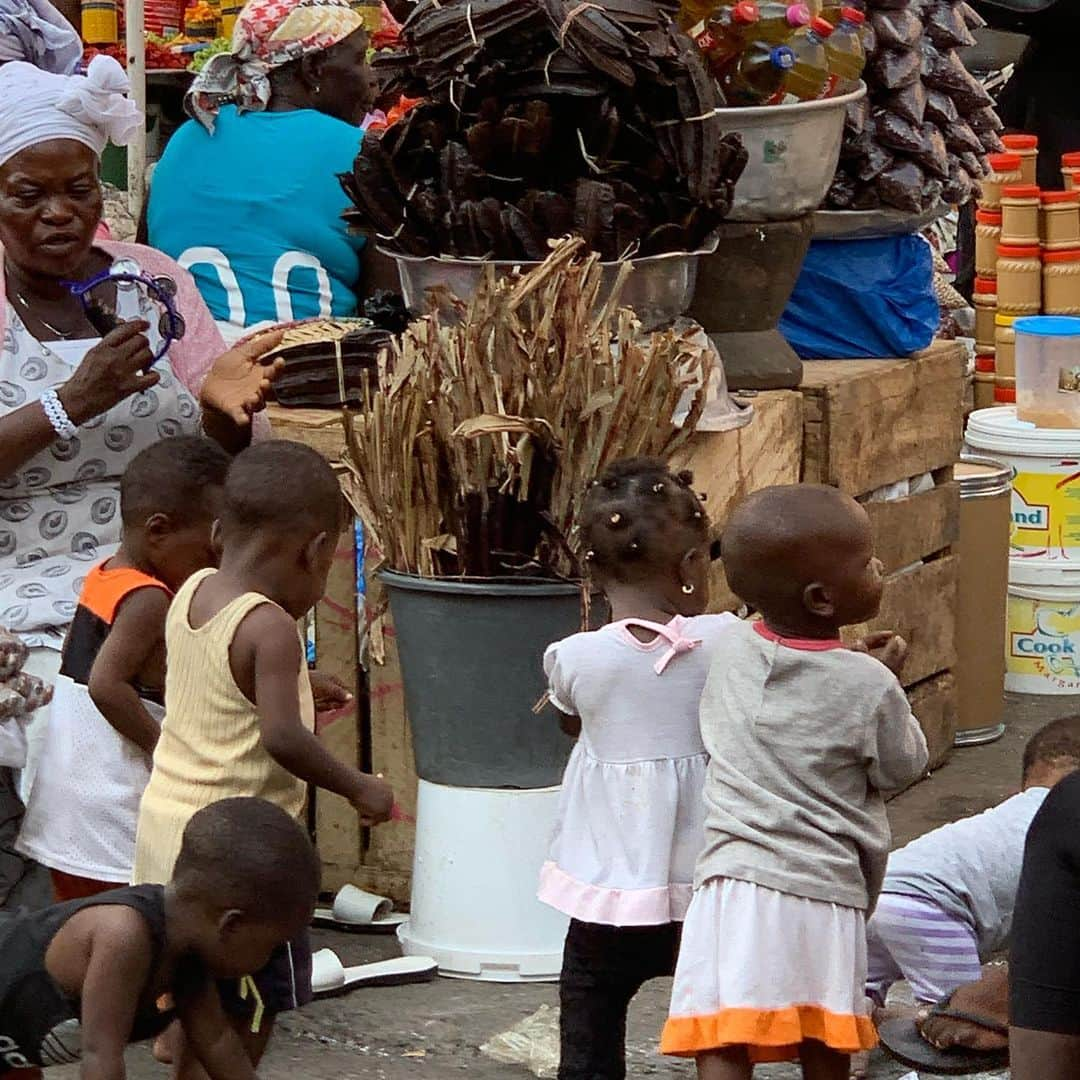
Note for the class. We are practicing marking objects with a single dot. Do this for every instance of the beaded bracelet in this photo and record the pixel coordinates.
(57, 415)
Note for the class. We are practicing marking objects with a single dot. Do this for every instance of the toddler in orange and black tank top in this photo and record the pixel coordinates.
(108, 705)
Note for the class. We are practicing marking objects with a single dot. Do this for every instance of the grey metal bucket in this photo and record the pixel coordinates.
(471, 656)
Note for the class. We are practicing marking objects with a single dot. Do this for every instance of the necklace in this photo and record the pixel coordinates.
(63, 335)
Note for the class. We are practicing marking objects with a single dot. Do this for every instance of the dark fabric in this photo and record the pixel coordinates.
(35, 1015)
(23, 883)
(1044, 967)
(284, 984)
(603, 968)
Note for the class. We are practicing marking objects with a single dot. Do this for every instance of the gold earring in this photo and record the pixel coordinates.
(688, 590)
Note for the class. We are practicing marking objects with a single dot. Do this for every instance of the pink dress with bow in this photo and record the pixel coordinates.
(631, 816)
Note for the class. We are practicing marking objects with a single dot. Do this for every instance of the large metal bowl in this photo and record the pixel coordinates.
(792, 150)
(660, 289)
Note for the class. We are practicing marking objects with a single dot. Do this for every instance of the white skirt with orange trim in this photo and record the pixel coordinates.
(767, 970)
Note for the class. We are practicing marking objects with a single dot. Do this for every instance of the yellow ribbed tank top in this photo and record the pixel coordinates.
(210, 746)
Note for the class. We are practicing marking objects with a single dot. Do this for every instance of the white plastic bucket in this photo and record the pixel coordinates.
(1042, 652)
(1046, 488)
(475, 873)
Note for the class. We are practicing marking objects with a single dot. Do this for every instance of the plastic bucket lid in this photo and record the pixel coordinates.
(982, 476)
(1048, 326)
(1041, 574)
(1000, 431)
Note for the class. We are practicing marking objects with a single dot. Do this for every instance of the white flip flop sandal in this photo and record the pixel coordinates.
(360, 912)
(329, 977)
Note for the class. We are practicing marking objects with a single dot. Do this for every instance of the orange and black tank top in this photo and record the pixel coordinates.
(102, 594)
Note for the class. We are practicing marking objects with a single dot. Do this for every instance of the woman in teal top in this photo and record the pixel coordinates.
(246, 195)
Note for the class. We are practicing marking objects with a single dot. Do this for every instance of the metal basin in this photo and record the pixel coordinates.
(660, 289)
(793, 151)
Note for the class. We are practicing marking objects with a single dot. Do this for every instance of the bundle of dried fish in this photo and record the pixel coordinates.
(473, 451)
(328, 362)
(543, 116)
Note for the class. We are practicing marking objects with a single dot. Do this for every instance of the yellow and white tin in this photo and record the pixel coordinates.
(1042, 650)
(1046, 487)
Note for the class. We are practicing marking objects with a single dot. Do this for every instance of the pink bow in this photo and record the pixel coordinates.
(677, 642)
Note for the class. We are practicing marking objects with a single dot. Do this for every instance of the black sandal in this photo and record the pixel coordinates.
(902, 1040)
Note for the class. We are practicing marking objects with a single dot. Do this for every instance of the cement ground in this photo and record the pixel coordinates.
(433, 1031)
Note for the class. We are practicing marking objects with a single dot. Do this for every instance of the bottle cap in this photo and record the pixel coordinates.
(853, 15)
(1069, 255)
(1021, 191)
(1020, 142)
(746, 12)
(984, 362)
(1004, 320)
(992, 217)
(798, 15)
(1071, 160)
(824, 28)
(782, 57)
(985, 285)
(1019, 251)
(1005, 395)
(1002, 163)
(1054, 198)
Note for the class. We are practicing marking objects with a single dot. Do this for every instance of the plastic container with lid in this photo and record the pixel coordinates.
(1020, 204)
(1061, 282)
(1047, 483)
(1027, 147)
(987, 239)
(1004, 171)
(100, 22)
(1005, 345)
(758, 75)
(1042, 654)
(722, 37)
(985, 301)
(1048, 371)
(844, 48)
(1070, 170)
(808, 78)
(1019, 279)
(1060, 219)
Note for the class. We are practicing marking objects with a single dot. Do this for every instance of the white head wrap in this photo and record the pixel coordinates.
(94, 109)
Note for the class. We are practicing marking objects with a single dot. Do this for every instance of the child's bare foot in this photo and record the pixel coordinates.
(165, 1044)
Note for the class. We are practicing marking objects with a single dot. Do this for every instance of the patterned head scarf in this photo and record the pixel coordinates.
(268, 34)
(92, 109)
(34, 31)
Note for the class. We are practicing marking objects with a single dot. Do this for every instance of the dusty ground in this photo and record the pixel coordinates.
(435, 1031)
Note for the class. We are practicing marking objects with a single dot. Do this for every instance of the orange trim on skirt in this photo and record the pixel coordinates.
(768, 1034)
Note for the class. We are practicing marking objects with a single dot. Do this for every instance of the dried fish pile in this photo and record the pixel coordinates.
(471, 454)
(921, 135)
(543, 118)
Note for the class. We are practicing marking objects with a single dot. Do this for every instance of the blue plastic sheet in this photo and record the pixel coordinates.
(863, 298)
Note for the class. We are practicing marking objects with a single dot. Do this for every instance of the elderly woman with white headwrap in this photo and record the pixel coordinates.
(80, 390)
(34, 31)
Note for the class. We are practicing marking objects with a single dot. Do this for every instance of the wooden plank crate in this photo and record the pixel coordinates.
(872, 423)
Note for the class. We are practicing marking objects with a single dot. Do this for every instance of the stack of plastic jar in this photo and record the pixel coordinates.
(1070, 170)
(1004, 359)
(987, 240)
(1061, 282)
(1020, 205)
(1027, 148)
(1004, 171)
(985, 302)
(1060, 220)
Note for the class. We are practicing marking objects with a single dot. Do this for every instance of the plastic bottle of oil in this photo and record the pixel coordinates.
(845, 54)
(833, 11)
(723, 37)
(779, 21)
(758, 75)
(808, 78)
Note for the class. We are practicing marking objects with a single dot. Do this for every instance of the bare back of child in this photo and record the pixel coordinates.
(802, 737)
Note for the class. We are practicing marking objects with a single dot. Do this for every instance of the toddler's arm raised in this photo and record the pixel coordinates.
(266, 659)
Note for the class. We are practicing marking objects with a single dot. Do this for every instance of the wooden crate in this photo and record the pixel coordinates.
(869, 423)
(872, 423)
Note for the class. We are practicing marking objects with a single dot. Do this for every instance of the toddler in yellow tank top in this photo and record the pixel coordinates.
(239, 711)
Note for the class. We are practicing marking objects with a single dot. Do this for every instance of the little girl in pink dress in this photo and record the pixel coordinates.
(631, 816)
